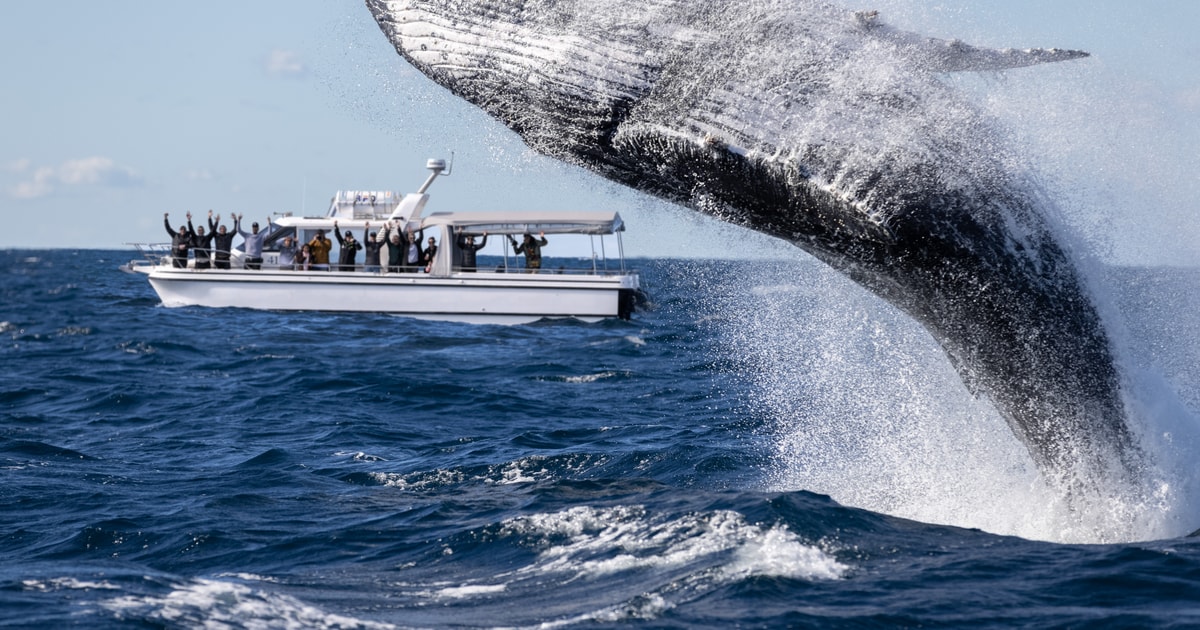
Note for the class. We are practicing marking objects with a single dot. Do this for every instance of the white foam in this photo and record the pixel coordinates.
(644, 607)
(685, 556)
(360, 456)
(867, 409)
(598, 542)
(221, 604)
(520, 471)
(777, 552)
(470, 590)
(68, 583)
(590, 378)
(419, 480)
(525, 470)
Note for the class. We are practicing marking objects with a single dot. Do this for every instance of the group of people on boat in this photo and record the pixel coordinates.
(404, 251)
(212, 249)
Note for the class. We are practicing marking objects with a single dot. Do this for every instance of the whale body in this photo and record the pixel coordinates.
(826, 128)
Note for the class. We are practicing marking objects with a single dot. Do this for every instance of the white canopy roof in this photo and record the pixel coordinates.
(494, 222)
(531, 222)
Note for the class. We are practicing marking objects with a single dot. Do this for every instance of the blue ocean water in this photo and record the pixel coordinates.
(188, 468)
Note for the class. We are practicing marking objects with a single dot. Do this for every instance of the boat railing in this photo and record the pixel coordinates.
(547, 270)
(153, 253)
(482, 269)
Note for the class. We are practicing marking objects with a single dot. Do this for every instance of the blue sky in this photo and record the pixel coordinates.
(116, 112)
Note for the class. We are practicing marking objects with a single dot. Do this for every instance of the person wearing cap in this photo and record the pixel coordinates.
(319, 248)
(372, 248)
(532, 248)
(252, 242)
(349, 250)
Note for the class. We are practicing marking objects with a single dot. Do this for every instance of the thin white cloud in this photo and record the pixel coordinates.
(96, 171)
(41, 185)
(199, 175)
(17, 166)
(286, 63)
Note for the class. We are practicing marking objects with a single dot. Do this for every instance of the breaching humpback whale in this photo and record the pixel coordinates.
(829, 129)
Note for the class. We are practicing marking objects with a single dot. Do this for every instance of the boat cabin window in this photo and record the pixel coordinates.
(275, 238)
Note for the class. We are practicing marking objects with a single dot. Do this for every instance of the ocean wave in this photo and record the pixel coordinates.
(241, 469)
(649, 562)
(586, 378)
(208, 603)
(587, 541)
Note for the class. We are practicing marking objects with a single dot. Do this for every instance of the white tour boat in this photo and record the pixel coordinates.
(500, 292)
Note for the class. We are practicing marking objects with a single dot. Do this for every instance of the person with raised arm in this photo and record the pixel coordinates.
(349, 248)
(222, 243)
(467, 248)
(372, 247)
(287, 254)
(430, 254)
(252, 241)
(202, 243)
(181, 241)
(532, 248)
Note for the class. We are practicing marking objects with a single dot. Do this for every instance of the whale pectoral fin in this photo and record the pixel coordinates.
(952, 55)
(960, 57)
(955, 56)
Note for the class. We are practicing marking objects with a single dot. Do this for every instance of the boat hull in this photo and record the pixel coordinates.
(471, 297)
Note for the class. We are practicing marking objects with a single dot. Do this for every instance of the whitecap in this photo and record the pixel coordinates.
(604, 541)
(470, 590)
(418, 480)
(68, 583)
(360, 456)
(589, 378)
(221, 604)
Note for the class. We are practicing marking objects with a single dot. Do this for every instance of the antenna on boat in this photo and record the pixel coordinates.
(439, 167)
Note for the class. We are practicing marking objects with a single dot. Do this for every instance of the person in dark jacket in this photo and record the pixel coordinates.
(429, 255)
(181, 241)
(532, 248)
(349, 251)
(401, 247)
(202, 243)
(222, 244)
(467, 248)
(304, 258)
(371, 246)
(395, 247)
